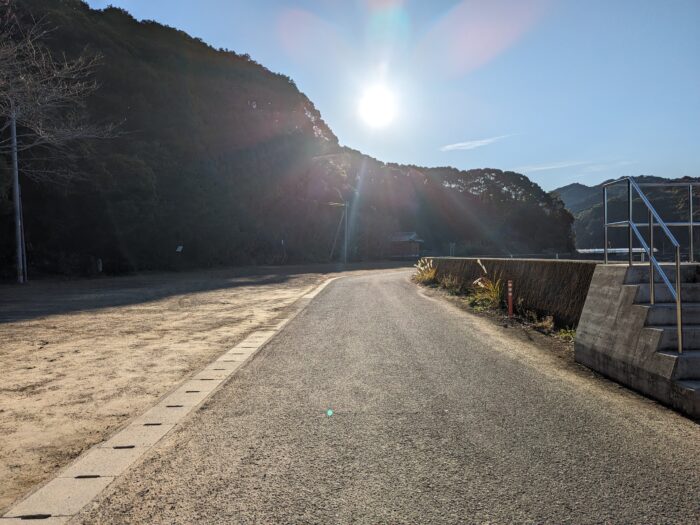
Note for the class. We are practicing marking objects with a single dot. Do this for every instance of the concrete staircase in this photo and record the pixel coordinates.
(623, 336)
(661, 318)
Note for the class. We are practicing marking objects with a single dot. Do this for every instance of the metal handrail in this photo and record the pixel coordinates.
(653, 184)
(656, 264)
(621, 224)
(654, 220)
(651, 209)
(690, 224)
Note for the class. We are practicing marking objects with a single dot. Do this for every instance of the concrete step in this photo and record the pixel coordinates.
(690, 385)
(687, 397)
(665, 314)
(690, 292)
(687, 364)
(639, 273)
(669, 337)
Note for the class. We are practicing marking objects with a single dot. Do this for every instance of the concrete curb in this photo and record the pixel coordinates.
(64, 496)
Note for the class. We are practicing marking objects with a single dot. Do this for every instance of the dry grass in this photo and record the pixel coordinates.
(486, 293)
(452, 283)
(426, 272)
(544, 325)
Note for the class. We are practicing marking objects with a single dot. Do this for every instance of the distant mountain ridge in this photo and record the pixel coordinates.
(578, 197)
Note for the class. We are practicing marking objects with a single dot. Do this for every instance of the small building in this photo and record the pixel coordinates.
(405, 245)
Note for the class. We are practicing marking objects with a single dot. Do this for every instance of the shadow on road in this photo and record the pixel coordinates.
(50, 297)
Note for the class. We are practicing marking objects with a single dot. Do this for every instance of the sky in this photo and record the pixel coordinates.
(560, 90)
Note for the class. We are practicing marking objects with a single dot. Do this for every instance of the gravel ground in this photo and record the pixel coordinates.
(439, 416)
(80, 358)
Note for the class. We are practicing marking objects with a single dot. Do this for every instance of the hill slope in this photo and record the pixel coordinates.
(233, 162)
(578, 197)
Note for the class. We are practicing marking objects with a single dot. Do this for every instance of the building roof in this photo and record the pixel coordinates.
(406, 237)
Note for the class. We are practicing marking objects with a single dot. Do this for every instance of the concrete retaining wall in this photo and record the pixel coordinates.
(547, 287)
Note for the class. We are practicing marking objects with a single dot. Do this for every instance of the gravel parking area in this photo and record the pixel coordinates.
(81, 358)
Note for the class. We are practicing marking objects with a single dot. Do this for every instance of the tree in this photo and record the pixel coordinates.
(219, 154)
(41, 98)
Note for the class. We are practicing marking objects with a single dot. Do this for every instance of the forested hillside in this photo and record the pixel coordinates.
(219, 155)
(586, 204)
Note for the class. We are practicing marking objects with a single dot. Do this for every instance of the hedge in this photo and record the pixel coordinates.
(544, 286)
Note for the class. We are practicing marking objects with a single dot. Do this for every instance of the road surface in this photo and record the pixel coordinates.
(438, 416)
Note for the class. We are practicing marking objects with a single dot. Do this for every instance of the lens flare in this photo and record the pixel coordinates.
(473, 33)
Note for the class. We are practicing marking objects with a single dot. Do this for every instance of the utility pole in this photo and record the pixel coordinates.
(17, 198)
(347, 229)
(344, 221)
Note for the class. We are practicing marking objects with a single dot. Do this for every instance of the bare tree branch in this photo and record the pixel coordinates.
(44, 94)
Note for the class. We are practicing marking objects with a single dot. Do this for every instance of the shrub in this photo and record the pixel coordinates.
(529, 316)
(567, 335)
(452, 283)
(486, 293)
(544, 325)
(426, 272)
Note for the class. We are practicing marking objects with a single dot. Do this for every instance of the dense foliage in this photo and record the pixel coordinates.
(229, 160)
(586, 204)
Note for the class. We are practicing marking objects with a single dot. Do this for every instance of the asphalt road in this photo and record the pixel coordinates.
(439, 416)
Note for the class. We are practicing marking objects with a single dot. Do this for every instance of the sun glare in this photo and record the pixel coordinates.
(378, 107)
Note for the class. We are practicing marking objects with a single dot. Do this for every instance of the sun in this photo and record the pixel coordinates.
(378, 106)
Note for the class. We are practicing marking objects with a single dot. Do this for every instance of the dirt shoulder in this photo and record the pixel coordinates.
(81, 358)
(523, 331)
(550, 345)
